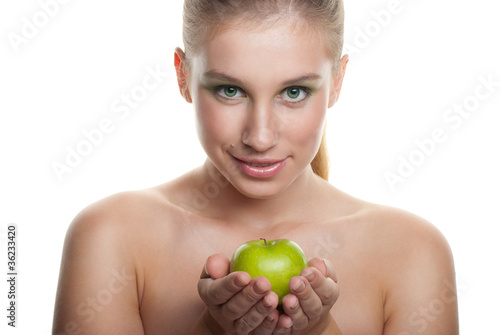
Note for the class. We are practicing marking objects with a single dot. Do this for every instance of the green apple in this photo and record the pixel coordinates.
(277, 260)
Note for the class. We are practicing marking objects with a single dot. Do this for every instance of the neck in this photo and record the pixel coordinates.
(224, 202)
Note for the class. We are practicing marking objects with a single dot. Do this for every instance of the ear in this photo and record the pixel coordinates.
(182, 75)
(337, 81)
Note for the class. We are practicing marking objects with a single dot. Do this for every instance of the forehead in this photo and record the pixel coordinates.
(284, 49)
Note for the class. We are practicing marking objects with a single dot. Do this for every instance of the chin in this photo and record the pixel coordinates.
(261, 189)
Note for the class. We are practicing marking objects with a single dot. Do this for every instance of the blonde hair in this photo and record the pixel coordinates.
(204, 18)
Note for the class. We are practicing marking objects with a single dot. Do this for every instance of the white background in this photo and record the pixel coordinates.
(405, 74)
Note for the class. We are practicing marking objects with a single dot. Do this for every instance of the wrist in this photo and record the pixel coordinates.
(332, 328)
(211, 324)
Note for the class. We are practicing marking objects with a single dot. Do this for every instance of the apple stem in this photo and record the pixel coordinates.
(265, 242)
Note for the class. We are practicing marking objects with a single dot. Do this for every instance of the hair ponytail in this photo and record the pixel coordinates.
(321, 162)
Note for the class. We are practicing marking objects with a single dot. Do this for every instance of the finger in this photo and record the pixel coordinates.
(325, 288)
(303, 305)
(268, 325)
(257, 316)
(216, 266)
(218, 291)
(292, 308)
(284, 326)
(325, 267)
(242, 302)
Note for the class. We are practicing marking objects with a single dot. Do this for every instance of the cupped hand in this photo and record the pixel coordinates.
(236, 303)
(307, 307)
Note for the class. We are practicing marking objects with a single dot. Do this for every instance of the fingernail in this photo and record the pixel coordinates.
(205, 269)
(240, 282)
(295, 304)
(270, 318)
(311, 276)
(266, 302)
(300, 287)
(259, 289)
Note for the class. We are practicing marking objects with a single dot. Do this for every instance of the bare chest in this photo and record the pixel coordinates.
(170, 302)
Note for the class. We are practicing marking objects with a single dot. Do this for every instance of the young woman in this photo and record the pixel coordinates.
(261, 75)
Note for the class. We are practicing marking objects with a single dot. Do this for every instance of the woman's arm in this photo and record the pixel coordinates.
(201, 327)
(332, 329)
(421, 295)
(97, 292)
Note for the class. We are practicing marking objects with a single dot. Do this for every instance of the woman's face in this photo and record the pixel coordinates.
(260, 98)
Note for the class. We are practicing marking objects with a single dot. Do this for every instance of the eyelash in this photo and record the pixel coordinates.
(217, 91)
(306, 91)
(220, 94)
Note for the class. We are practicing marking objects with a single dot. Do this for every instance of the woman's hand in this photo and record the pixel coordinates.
(236, 303)
(307, 307)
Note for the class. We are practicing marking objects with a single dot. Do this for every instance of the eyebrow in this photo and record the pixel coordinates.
(227, 78)
(214, 75)
(305, 78)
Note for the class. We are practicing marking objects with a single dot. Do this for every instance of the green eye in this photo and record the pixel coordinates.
(230, 91)
(229, 94)
(293, 92)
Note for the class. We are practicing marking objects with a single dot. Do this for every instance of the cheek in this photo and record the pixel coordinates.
(213, 122)
(308, 132)
(207, 125)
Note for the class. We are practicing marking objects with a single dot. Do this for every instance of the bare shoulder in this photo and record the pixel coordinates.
(397, 229)
(402, 241)
(116, 222)
(389, 229)
(100, 276)
(121, 205)
(415, 266)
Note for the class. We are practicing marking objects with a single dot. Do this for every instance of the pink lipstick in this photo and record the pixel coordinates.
(261, 168)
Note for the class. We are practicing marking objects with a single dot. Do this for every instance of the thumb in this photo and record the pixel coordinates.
(325, 267)
(216, 266)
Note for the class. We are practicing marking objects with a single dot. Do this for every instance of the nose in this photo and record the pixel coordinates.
(260, 132)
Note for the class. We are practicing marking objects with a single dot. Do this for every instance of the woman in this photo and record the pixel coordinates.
(261, 76)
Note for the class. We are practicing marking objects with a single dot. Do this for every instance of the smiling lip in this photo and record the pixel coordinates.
(261, 168)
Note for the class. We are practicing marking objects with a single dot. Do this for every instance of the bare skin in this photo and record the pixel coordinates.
(390, 264)
(156, 261)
